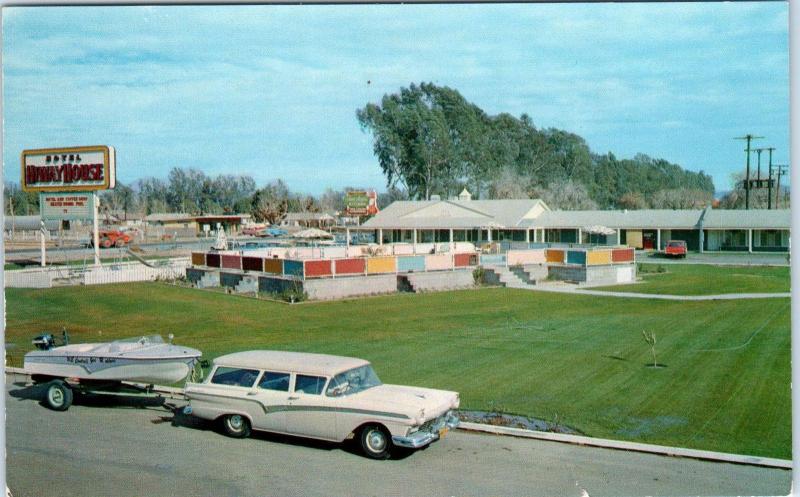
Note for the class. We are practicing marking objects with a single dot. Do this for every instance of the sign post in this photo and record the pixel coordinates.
(95, 228)
(68, 180)
(41, 235)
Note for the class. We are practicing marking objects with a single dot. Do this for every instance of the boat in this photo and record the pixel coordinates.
(142, 359)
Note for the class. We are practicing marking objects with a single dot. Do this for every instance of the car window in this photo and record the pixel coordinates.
(235, 376)
(309, 384)
(274, 381)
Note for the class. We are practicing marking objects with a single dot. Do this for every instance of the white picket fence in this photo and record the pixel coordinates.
(107, 273)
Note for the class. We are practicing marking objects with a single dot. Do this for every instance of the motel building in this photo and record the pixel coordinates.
(523, 222)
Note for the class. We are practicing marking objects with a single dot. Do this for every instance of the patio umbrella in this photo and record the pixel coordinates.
(312, 234)
(598, 230)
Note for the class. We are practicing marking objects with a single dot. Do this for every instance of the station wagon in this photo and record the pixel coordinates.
(320, 396)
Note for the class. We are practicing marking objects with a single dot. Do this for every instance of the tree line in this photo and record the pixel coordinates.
(429, 139)
(191, 191)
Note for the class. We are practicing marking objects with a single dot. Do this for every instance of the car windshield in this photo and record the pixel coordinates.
(353, 381)
(676, 244)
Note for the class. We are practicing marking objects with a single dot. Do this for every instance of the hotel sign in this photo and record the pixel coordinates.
(361, 203)
(71, 169)
(72, 206)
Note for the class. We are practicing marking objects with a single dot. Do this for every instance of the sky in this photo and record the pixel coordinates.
(271, 91)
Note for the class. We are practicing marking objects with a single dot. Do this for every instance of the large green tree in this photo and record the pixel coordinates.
(429, 139)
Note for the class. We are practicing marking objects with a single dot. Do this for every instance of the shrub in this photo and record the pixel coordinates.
(294, 293)
(478, 275)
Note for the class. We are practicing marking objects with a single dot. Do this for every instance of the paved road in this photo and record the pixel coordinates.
(135, 448)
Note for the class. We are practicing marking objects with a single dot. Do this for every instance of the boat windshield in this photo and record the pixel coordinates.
(146, 339)
(353, 381)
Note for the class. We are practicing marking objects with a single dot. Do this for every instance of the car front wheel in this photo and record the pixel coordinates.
(236, 426)
(375, 442)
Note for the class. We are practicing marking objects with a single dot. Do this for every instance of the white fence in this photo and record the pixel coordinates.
(107, 273)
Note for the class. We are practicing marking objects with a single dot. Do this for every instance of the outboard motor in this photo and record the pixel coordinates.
(45, 341)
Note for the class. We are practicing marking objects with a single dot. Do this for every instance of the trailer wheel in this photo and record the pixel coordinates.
(58, 396)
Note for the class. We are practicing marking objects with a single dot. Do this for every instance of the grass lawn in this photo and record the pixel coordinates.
(579, 358)
(703, 279)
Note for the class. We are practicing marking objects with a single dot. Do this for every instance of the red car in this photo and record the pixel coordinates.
(675, 248)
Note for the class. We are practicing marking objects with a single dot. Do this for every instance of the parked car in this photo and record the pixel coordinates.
(112, 238)
(253, 230)
(271, 232)
(319, 396)
(675, 248)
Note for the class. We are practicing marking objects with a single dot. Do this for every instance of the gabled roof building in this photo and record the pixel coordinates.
(532, 221)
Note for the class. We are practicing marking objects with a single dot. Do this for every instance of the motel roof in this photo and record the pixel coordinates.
(666, 219)
(458, 214)
(533, 213)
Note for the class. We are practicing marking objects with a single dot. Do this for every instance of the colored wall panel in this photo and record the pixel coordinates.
(194, 275)
(229, 279)
(317, 269)
(522, 257)
(552, 255)
(402, 249)
(598, 257)
(622, 255)
(463, 260)
(634, 238)
(212, 260)
(232, 261)
(377, 265)
(274, 266)
(293, 268)
(350, 266)
(576, 257)
(275, 285)
(493, 259)
(411, 263)
(252, 263)
(438, 262)
(198, 259)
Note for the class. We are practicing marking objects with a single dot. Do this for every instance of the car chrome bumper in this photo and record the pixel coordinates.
(422, 438)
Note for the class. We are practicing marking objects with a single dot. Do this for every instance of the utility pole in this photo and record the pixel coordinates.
(782, 169)
(749, 138)
(769, 179)
(758, 151)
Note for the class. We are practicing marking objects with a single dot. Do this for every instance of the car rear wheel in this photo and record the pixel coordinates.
(236, 426)
(375, 442)
(58, 396)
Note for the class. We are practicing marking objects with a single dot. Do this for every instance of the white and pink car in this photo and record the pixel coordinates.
(320, 396)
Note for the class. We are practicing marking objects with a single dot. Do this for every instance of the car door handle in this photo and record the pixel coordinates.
(291, 397)
(252, 393)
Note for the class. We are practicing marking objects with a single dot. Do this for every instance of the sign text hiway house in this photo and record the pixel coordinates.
(70, 169)
(67, 180)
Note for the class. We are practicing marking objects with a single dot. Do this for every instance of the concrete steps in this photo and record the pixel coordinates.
(508, 277)
(247, 285)
(209, 280)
